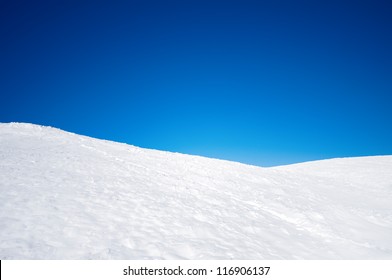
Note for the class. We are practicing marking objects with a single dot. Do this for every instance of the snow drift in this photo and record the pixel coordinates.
(66, 196)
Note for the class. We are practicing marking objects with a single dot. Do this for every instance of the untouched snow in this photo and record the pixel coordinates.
(65, 196)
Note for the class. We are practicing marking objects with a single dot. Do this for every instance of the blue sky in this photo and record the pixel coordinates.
(260, 82)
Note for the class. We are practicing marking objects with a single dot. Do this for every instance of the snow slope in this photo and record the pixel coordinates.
(66, 196)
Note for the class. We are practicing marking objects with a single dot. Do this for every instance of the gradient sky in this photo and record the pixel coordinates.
(260, 82)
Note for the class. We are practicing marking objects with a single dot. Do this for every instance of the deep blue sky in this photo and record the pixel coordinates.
(260, 82)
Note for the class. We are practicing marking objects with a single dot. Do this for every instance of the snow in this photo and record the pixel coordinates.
(66, 196)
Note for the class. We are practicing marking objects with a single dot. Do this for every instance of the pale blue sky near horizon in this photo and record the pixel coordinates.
(259, 82)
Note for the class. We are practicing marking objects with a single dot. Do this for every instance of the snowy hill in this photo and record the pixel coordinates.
(66, 196)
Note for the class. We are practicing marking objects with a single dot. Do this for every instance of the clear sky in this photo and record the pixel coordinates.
(260, 82)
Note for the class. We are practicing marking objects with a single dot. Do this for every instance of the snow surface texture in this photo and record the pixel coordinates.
(66, 196)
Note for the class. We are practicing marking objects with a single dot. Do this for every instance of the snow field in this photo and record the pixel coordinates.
(66, 196)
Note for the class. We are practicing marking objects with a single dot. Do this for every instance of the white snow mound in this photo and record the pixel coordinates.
(66, 196)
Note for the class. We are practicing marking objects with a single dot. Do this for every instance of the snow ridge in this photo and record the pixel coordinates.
(67, 196)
